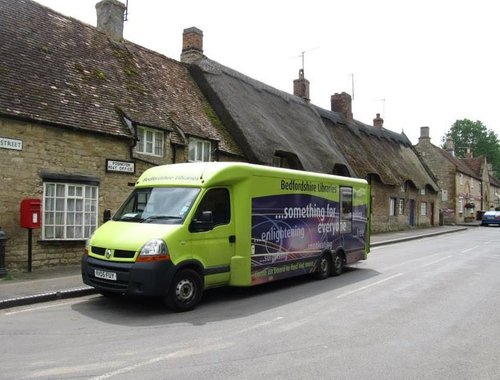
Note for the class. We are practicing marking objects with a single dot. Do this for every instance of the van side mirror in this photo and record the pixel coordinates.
(106, 215)
(205, 222)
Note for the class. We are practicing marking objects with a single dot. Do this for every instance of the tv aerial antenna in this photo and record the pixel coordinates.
(303, 54)
(125, 14)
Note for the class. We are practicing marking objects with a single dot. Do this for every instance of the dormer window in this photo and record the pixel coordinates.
(199, 150)
(150, 141)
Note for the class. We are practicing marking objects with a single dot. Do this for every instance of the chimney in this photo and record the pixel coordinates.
(110, 18)
(342, 103)
(192, 45)
(378, 122)
(449, 146)
(301, 86)
(424, 135)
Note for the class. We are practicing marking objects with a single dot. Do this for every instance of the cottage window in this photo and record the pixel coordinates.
(401, 208)
(460, 204)
(150, 141)
(461, 179)
(199, 150)
(423, 208)
(392, 206)
(69, 211)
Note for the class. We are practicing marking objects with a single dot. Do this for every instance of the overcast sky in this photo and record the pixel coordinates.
(417, 63)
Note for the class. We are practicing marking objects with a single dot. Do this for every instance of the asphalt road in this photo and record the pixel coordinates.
(424, 309)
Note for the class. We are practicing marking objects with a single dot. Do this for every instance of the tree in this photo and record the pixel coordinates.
(481, 141)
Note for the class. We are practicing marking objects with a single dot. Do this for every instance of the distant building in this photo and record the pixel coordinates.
(463, 189)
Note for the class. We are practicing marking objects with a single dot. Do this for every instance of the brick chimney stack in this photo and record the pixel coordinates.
(378, 122)
(301, 86)
(342, 103)
(110, 18)
(192, 45)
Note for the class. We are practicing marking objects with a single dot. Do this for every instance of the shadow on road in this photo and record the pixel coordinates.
(218, 304)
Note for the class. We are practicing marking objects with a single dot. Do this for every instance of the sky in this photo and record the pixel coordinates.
(417, 63)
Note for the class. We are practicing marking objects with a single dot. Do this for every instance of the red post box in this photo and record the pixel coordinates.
(30, 213)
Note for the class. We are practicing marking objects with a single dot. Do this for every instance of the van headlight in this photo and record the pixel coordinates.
(153, 250)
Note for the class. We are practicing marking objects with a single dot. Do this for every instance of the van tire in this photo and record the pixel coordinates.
(185, 291)
(338, 264)
(324, 267)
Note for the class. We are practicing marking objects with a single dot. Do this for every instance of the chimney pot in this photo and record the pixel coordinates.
(342, 103)
(378, 122)
(301, 86)
(424, 134)
(110, 18)
(449, 146)
(192, 45)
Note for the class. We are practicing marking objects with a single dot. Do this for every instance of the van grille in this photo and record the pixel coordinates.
(118, 253)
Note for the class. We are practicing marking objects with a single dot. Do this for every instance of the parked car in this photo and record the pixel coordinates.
(491, 217)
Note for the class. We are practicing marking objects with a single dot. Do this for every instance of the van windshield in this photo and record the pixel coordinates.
(164, 205)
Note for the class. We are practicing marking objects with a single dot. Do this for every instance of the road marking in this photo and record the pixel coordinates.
(369, 286)
(434, 262)
(470, 249)
(176, 354)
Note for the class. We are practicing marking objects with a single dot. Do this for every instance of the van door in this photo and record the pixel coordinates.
(215, 246)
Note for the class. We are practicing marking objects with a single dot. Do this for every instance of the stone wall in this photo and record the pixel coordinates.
(382, 221)
(64, 152)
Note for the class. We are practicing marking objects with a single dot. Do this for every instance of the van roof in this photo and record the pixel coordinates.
(204, 174)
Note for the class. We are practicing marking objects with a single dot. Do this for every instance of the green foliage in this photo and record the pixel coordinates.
(481, 141)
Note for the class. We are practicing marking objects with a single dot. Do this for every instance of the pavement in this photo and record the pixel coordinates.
(18, 289)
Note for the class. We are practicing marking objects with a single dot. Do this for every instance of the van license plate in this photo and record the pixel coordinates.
(105, 275)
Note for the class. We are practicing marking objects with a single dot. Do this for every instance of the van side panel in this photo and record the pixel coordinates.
(295, 220)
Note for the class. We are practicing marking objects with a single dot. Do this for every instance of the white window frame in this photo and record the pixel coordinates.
(401, 206)
(70, 211)
(423, 208)
(151, 141)
(461, 205)
(392, 206)
(200, 150)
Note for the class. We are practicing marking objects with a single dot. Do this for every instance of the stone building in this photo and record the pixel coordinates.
(83, 113)
(461, 187)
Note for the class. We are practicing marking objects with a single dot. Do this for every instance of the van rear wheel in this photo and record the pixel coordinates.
(338, 264)
(185, 291)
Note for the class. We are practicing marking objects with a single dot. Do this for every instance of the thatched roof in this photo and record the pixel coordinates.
(371, 150)
(57, 70)
(264, 120)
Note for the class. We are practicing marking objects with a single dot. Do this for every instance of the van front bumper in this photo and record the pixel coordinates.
(145, 279)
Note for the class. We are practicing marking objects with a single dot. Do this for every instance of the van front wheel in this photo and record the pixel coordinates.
(185, 291)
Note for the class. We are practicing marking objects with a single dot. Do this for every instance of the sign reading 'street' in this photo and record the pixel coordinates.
(12, 144)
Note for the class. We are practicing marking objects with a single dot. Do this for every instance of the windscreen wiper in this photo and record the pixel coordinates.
(159, 217)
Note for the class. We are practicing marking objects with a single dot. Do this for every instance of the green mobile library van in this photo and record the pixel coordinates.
(189, 227)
